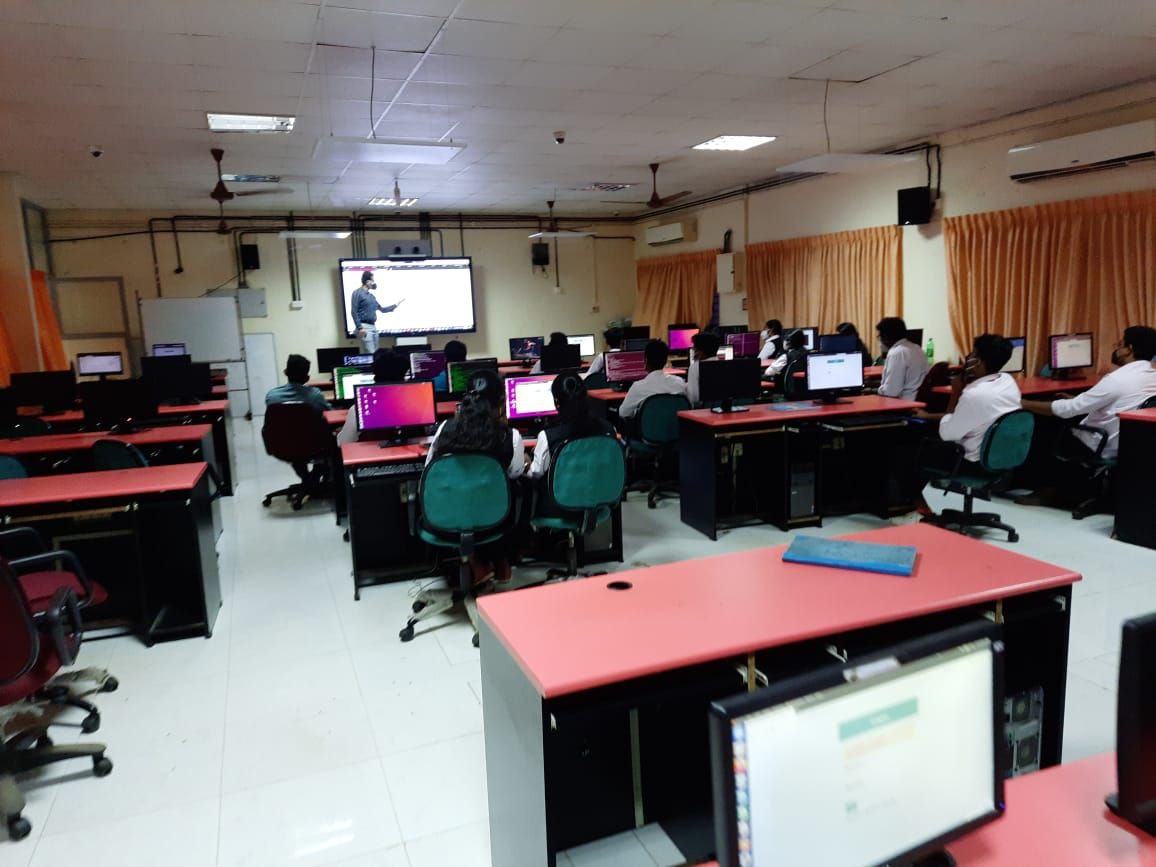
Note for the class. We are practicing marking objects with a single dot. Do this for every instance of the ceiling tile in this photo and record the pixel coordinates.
(454, 69)
(569, 45)
(742, 20)
(488, 39)
(694, 54)
(854, 65)
(359, 29)
(774, 60)
(250, 53)
(338, 60)
(569, 76)
(549, 13)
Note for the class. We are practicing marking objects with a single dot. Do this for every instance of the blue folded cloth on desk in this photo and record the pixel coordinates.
(844, 554)
(793, 406)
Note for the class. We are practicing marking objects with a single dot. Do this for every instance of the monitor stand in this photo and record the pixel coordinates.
(728, 406)
(1065, 374)
(942, 858)
(830, 399)
(1112, 801)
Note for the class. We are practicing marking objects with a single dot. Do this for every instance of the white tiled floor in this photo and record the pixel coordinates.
(304, 732)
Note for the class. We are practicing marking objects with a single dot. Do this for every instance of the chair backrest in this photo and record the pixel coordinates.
(658, 418)
(794, 386)
(1007, 442)
(1150, 403)
(939, 374)
(11, 468)
(464, 493)
(295, 432)
(596, 380)
(587, 473)
(109, 454)
(26, 427)
(19, 639)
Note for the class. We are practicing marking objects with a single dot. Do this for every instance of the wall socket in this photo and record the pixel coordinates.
(595, 309)
(296, 305)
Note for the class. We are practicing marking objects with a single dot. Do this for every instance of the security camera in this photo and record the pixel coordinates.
(560, 136)
(96, 151)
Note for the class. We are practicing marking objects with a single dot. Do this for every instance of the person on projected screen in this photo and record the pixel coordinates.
(365, 309)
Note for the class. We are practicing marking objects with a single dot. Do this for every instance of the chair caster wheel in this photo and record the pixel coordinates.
(297, 505)
(418, 606)
(1013, 537)
(101, 767)
(19, 828)
(651, 504)
(345, 536)
(90, 724)
(477, 642)
(111, 684)
(406, 634)
(267, 502)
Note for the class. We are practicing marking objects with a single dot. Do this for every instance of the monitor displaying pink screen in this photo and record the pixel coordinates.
(529, 397)
(383, 407)
(681, 338)
(745, 343)
(625, 366)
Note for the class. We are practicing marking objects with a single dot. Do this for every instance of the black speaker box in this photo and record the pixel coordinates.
(915, 206)
(540, 255)
(250, 257)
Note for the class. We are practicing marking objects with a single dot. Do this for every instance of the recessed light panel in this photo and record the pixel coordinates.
(734, 142)
(250, 122)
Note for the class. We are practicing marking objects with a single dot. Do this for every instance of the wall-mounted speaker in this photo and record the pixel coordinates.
(250, 257)
(915, 206)
(540, 255)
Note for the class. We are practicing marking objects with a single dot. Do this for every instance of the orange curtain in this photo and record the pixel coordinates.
(52, 352)
(1079, 265)
(823, 280)
(675, 289)
(8, 361)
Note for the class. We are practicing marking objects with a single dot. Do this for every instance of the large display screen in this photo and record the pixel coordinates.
(419, 296)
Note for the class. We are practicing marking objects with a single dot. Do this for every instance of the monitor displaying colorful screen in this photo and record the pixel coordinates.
(357, 361)
(396, 405)
(461, 371)
(529, 397)
(625, 366)
(526, 348)
(681, 337)
(427, 365)
(746, 344)
(345, 378)
(412, 296)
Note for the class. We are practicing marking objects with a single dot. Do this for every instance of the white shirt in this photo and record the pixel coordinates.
(773, 344)
(903, 371)
(537, 368)
(692, 382)
(656, 382)
(599, 363)
(777, 365)
(980, 404)
(1119, 391)
(517, 461)
(349, 432)
(540, 465)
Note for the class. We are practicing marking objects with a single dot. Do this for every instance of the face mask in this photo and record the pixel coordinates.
(763, 335)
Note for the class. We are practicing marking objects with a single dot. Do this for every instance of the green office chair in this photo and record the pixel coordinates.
(26, 427)
(1150, 403)
(464, 502)
(109, 454)
(596, 380)
(656, 441)
(587, 480)
(1004, 449)
(11, 468)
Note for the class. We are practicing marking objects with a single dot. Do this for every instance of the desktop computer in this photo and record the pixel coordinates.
(363, 361)
(55, 390)
(830, 374)
(838, 343)
(810, 333)
(623, 368)
(1068, 352)
(332, 356)
(461, 371)
(635, 344)
(915, 335)
(556, 359)
(529, 398)
(392, 412)
(174, 380)
(346, 379)
(427, 364)
(1135, 802)
(162, 350)
(99, 364)
(585, 344)
(746, 343)
(680, 338)
(723, 383)
(880, 760)
(636, 332)
(1018, 361)
(526, 348)
(117, 404)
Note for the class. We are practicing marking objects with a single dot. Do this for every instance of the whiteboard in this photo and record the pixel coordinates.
(209, 327)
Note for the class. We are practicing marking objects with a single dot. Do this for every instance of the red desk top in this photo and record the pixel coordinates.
(1139, 415)
(764, 414)
(607, 394)
(74, 416)
(78, 487)
(72, 442)
(220, 391)
(371, 453)
(1041, 386)
(580, 635)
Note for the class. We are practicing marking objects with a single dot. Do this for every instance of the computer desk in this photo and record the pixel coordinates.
(145, 534)
(790, 468)
(595, 699)
(1042, 387)
(1135, 478)
(335, 418)
(72, 452)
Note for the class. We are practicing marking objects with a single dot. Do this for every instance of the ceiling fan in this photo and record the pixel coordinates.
(655, 200)
(552, 230)
(222, 194)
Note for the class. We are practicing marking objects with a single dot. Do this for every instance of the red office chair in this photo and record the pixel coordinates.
(34, 646)
(298, 434)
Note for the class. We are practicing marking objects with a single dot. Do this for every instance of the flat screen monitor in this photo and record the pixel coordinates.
(635, 344)
(55, 390)
(724, 330)
(915, 335)
(625, 366)
(723, 382)
(529, 397)
(880, 761)
(423, 296)
(357, 361)
(680, 337)
(555, 359)
(1018, 361)
(395, 406)
(636, 332)
(117, 402)
(1135, 801)
(345, 379)
(746, 343)
(838, 343)
(585, 344)
(725, 353)
(829, 373)
(461, 371)
(407, 349)
(168, 376)
(809, 332)
(526, 348)
(99, 364)
(1069, 351)
(427, 365)
(163, 349)
(330, 357)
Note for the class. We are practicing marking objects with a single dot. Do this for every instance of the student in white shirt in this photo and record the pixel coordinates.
(905, 366)
(477, 427)
(772, 337)
(796, 348)
(1119, 391)
(656, 382)
(989, 394)
(705, 346)
(574, 420)
(388, 366)
(613, 339)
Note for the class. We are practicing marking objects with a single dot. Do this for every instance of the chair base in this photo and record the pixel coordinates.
(296, 495)
(431, 603)
(963, 521)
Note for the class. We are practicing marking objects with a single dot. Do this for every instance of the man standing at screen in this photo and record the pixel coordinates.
(365, 308)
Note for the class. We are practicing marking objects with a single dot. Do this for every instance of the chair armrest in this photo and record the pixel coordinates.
(31, 564)
(62, 623)
(1069, 430)
(31, 534)
(1100, 433)
(955, 449)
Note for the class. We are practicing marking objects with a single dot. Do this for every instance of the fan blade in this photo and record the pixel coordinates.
(624, 202)
(220, 193)
(666, 200)
(280, 191)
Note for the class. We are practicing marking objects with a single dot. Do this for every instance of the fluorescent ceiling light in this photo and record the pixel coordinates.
(386, 150)
(562, 233)
(848, 163)
(301, 234)
(251, 179)
(249, 122)
(734, 142)
(391, 202)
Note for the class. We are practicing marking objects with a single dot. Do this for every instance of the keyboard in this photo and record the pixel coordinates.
(380, 471)
(868, 420)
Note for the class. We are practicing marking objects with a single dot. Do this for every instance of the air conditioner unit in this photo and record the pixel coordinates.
(1088, 152)
(671, 233)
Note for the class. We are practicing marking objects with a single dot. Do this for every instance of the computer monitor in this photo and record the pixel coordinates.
(99, 364)
(680, 338)
(556, 359)
(811, 334)
(881, 760)
(55, 390)
(585, 344)
(625, 367)
(395, 410)
(332, 356)
(461, 371)
(1018, 361)
(635, 344)
(357, 361)
(915, 335)
(725, 353)
(163, 349)
(427, 365)
(830, 374)
(746, 343)
(1071, 351)
(345, 379)
(117, 403)
(724, 330)
(721, 383)
(838, 343)
(1135, 801)
(636, 332)
(168, 376)
(408, 349)
(200, 380)
(526, 348)
(529, 397)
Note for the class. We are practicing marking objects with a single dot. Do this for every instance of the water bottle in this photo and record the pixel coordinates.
(930, 350)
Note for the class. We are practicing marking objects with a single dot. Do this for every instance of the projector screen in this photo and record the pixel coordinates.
(432, 296)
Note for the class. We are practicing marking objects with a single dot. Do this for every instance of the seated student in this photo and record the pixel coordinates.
(296, 390)
(655, 382)
(905, 365)
(705, 346)
(1119, 391)
(557, 339)
(987, 395)
(848, 329)
(388, 366)
(613, 339)
(574, 420)
(772, 337)
(455, 351)
(478, 427)
(796, 351)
